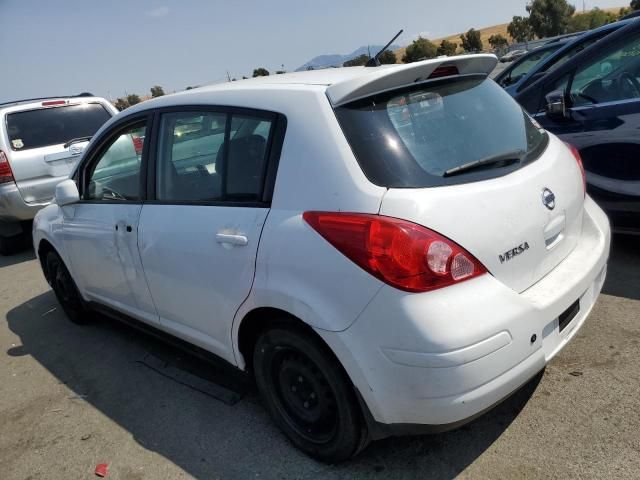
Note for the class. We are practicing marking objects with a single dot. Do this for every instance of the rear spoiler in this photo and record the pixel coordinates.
(380, 79)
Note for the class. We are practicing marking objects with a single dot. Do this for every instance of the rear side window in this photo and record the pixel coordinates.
(55, 125)
(212, 157)
(419, 137)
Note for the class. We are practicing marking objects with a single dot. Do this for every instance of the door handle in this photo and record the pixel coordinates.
(239, 240)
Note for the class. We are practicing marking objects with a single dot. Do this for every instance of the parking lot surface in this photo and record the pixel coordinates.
(73, 397)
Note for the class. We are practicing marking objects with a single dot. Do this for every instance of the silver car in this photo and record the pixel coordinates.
(40, 142)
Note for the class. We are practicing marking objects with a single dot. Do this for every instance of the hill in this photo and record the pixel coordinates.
(336, 59)
(485, 33)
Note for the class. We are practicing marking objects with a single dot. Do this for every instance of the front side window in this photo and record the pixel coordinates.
(441, 133)
(115, 175)
(211, 157)
(613, 76)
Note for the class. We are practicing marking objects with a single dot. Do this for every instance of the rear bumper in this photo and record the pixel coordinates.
(441, 358)
(13, 208)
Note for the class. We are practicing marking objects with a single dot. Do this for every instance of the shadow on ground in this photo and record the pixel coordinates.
(208, 438)
(19, 257)
(623, 274)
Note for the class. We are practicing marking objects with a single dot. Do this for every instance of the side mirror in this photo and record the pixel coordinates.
(67, 193)
(556, 105)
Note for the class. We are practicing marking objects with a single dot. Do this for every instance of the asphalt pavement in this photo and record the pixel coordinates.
(75, 396)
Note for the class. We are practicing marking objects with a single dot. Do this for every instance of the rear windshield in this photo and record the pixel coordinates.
(54, 125)
(419, 137)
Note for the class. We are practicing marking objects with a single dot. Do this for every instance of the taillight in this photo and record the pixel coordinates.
(402, 254)
(138, 144)
(576, 155)
(445, 71)
(54, 103)
(6, 175)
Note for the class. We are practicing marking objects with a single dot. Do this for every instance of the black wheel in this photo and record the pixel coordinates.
(65, 289)
(308, 394)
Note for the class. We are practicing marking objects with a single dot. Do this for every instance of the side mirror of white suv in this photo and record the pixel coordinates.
(67, 193)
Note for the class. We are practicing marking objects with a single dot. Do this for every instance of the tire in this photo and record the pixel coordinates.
(9, 245)
(65, 290)
(308, 394)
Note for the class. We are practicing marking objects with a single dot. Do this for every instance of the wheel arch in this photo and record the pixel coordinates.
(257, 321)
(44, 247)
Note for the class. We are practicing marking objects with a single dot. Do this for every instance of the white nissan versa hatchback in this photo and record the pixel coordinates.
(389, 249)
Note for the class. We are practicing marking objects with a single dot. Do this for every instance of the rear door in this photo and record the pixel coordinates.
(37, 138)
(200, 230)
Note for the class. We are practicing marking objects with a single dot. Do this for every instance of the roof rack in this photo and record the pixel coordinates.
(26, 100)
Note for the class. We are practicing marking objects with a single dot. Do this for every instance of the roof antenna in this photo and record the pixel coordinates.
(374, 62)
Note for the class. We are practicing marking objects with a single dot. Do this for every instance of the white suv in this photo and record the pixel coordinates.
(40, 143)
(388, 249)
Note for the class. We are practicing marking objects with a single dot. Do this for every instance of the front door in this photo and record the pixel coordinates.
(199, 235)
(101, 231)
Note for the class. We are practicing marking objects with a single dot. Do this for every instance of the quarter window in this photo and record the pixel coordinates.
(116, 173)
(211, 157)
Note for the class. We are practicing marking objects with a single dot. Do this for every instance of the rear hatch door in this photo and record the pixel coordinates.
(506, 222)
(461, 157)
(40, 152)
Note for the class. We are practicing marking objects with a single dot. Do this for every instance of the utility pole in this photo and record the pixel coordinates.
(228, 77)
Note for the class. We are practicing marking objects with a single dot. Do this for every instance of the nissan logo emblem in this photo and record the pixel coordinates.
(548, 199)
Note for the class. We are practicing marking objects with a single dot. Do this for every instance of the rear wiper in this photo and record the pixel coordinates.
(76, 140)
(507, 158)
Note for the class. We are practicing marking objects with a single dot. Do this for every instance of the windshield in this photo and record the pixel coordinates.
(54, 126)
(525, 64)
(411, 137)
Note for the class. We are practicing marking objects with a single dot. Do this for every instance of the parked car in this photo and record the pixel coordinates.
(379, 271)
(569, 48)
(40, 142)
(512, 56)
(593, 102)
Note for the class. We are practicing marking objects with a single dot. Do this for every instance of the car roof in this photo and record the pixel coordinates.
(572, 42)
(12, 103)
(341, 84)
(37, 103)
(630, 28)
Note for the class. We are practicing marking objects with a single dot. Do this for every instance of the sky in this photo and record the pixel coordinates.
(115, 47)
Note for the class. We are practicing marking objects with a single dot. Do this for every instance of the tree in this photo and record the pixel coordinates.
(549, 18)
(121, 104)
(471, 41)
(280, 72)
(498, 42)
(624, 11)
(357, 61)
(157, 91)
(592, 19)
(419, 49)
(520, 29)
(387, 58)
(132, 99)
(260, 72)
(635, 5)
(447, 48)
